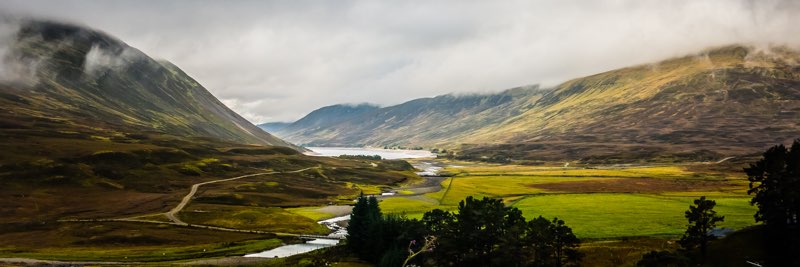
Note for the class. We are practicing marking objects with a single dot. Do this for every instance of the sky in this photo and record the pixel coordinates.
(279, 60)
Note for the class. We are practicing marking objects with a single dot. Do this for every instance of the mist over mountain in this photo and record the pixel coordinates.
(72, 77)
(725, 101)
(415, 122)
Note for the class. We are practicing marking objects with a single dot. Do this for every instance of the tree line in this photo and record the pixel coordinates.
(483, 232)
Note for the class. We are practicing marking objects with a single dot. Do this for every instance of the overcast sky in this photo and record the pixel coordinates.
(279, 60)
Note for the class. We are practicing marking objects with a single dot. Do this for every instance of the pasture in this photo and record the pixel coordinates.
(597, 202)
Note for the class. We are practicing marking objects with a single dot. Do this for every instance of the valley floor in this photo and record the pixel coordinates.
(619, 211)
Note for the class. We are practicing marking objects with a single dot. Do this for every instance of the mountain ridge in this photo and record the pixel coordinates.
(83, 76)
(703, 106)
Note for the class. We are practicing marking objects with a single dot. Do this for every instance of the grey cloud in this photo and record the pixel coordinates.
(14, 69)
(278, 60)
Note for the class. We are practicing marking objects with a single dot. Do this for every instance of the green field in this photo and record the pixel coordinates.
(596, 203)
(623, 215)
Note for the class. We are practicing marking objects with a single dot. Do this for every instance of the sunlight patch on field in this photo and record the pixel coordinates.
(411, 208)
(270, 219)
(648, 172)
(495, 186)
(311, 213)
(621, 215)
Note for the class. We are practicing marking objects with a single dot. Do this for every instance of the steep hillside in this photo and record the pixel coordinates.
(92, 128)
(721, 102)
(79, 77)
(421, 121)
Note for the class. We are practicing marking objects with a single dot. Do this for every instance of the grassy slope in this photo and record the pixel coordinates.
(689, 103)
(726, 101)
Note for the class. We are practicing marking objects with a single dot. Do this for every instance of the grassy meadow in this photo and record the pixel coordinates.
(598, 203)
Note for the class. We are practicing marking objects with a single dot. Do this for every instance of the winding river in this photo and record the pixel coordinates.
(337, 231)
(288, 250)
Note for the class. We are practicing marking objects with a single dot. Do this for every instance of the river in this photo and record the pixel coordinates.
(314, 244)
(428, 169)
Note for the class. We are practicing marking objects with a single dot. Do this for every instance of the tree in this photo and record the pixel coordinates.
(484, 232)
(552, 243)
(365, 214)
(702, 219)
(565, 244)
(478, 227)
(357, 227)
(775, 186)
(540, 237)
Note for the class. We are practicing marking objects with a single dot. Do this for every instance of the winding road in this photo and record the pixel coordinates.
(171, 214)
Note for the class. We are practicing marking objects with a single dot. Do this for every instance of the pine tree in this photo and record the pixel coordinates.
(358, 227)
(702, 219)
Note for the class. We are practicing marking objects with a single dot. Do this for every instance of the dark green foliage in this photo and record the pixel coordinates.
(702, 219)
(775, 186)
(565, 244)
(359, 225)
(663, 259)
(482, 233)
(392, 258)
(438, 221)
(377, 238)
(551, 243)
(486, 233)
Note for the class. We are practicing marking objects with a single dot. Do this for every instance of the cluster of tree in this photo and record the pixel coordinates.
(365, 157)
(484, 232)
(775, 186)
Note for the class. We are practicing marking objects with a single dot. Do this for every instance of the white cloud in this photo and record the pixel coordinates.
(278, 60)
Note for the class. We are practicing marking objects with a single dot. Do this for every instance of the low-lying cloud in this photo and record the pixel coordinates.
(278, 60)
(99, 60)
(13, 68)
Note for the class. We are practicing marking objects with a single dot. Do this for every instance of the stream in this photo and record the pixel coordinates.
(310, 245)
(429, 169)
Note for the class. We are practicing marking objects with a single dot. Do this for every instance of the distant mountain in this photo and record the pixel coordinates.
(726, 101)
(320, 121)
(81, 79)
(421, 121)
(273, 126)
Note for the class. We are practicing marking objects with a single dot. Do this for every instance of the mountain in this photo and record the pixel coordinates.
(415, 122)
(273, 126)
(93, 128)
(726, 101)
(77, 77)
(320, 121)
